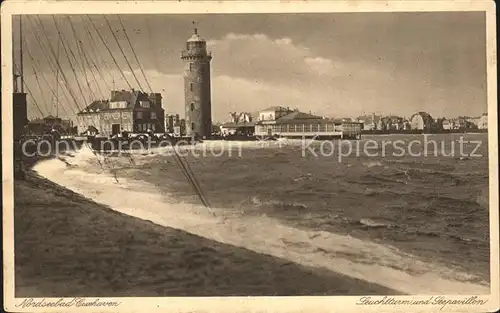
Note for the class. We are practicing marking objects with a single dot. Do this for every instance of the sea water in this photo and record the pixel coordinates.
(401, 221)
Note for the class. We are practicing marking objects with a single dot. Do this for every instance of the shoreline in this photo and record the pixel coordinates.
(67, 245)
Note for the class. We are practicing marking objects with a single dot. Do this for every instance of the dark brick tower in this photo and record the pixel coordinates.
(197, 90)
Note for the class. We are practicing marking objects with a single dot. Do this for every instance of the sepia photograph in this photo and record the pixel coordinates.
(203, 157)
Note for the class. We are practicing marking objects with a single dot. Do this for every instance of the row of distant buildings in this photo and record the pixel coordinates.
(278, 121)
(49, 123)
(282, 121)
(422, 121)
(465, 122)
(138, 112)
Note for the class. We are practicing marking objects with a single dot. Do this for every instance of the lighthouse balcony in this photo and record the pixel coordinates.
(195, 54)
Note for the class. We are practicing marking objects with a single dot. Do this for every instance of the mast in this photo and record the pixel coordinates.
(21, 69)
(57, 82)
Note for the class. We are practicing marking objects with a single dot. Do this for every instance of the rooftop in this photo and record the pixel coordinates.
(132, 99)
(276, 108)
(130, 96)
(236, 125)
(296, 115)
(97, 105)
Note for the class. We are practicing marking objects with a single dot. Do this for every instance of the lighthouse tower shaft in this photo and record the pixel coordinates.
(197, 89)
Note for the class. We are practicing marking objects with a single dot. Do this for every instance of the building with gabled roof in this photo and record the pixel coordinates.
(483, 121)
(422, 121)
(283, 122)
(132, 111)
(272, 113)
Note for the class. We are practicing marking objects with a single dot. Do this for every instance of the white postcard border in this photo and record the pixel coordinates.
(241, 304)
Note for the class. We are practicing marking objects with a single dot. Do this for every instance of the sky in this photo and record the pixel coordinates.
(331, 64)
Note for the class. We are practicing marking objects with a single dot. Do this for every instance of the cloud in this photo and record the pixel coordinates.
(230, 92)
(320, 65)
(254, 71)
(262, 58)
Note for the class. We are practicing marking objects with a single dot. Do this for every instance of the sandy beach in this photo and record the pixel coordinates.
(68, 246)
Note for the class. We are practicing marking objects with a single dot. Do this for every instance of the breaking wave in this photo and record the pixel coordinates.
(371, 223)
(373, 262)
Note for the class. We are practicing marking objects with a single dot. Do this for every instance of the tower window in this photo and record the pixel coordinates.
(190, 86)
(192, 126)
(192, 106)
(190, 67)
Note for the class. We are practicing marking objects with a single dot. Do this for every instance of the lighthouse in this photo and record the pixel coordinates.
(197, 90)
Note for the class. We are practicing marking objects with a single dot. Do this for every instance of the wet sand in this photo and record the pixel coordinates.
(69, 246)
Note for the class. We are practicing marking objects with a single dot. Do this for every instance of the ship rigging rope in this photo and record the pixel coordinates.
(110, 53)
(123, 53)
(92, 40)
(80, 53)
(59, 65)
(99, 73)
(47, 107)
(92, 72)
(116, 63)
(102, 77)
(76, 61)
(49, 62)
(196, 184)
(52, 90)
(65, 49)
(46, 81)
(71, 65)
(71, 53)
(31, 94)
(54, 93)
(66, 82)
(135, 55)
(131, 159)
(150, 40)
(98, 56)
(51, 67)
(65, 79)
(183, 164)
(33, 63)
(186, 170)
(85, 74)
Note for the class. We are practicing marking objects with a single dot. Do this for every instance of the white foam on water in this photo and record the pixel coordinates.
(353, 257)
